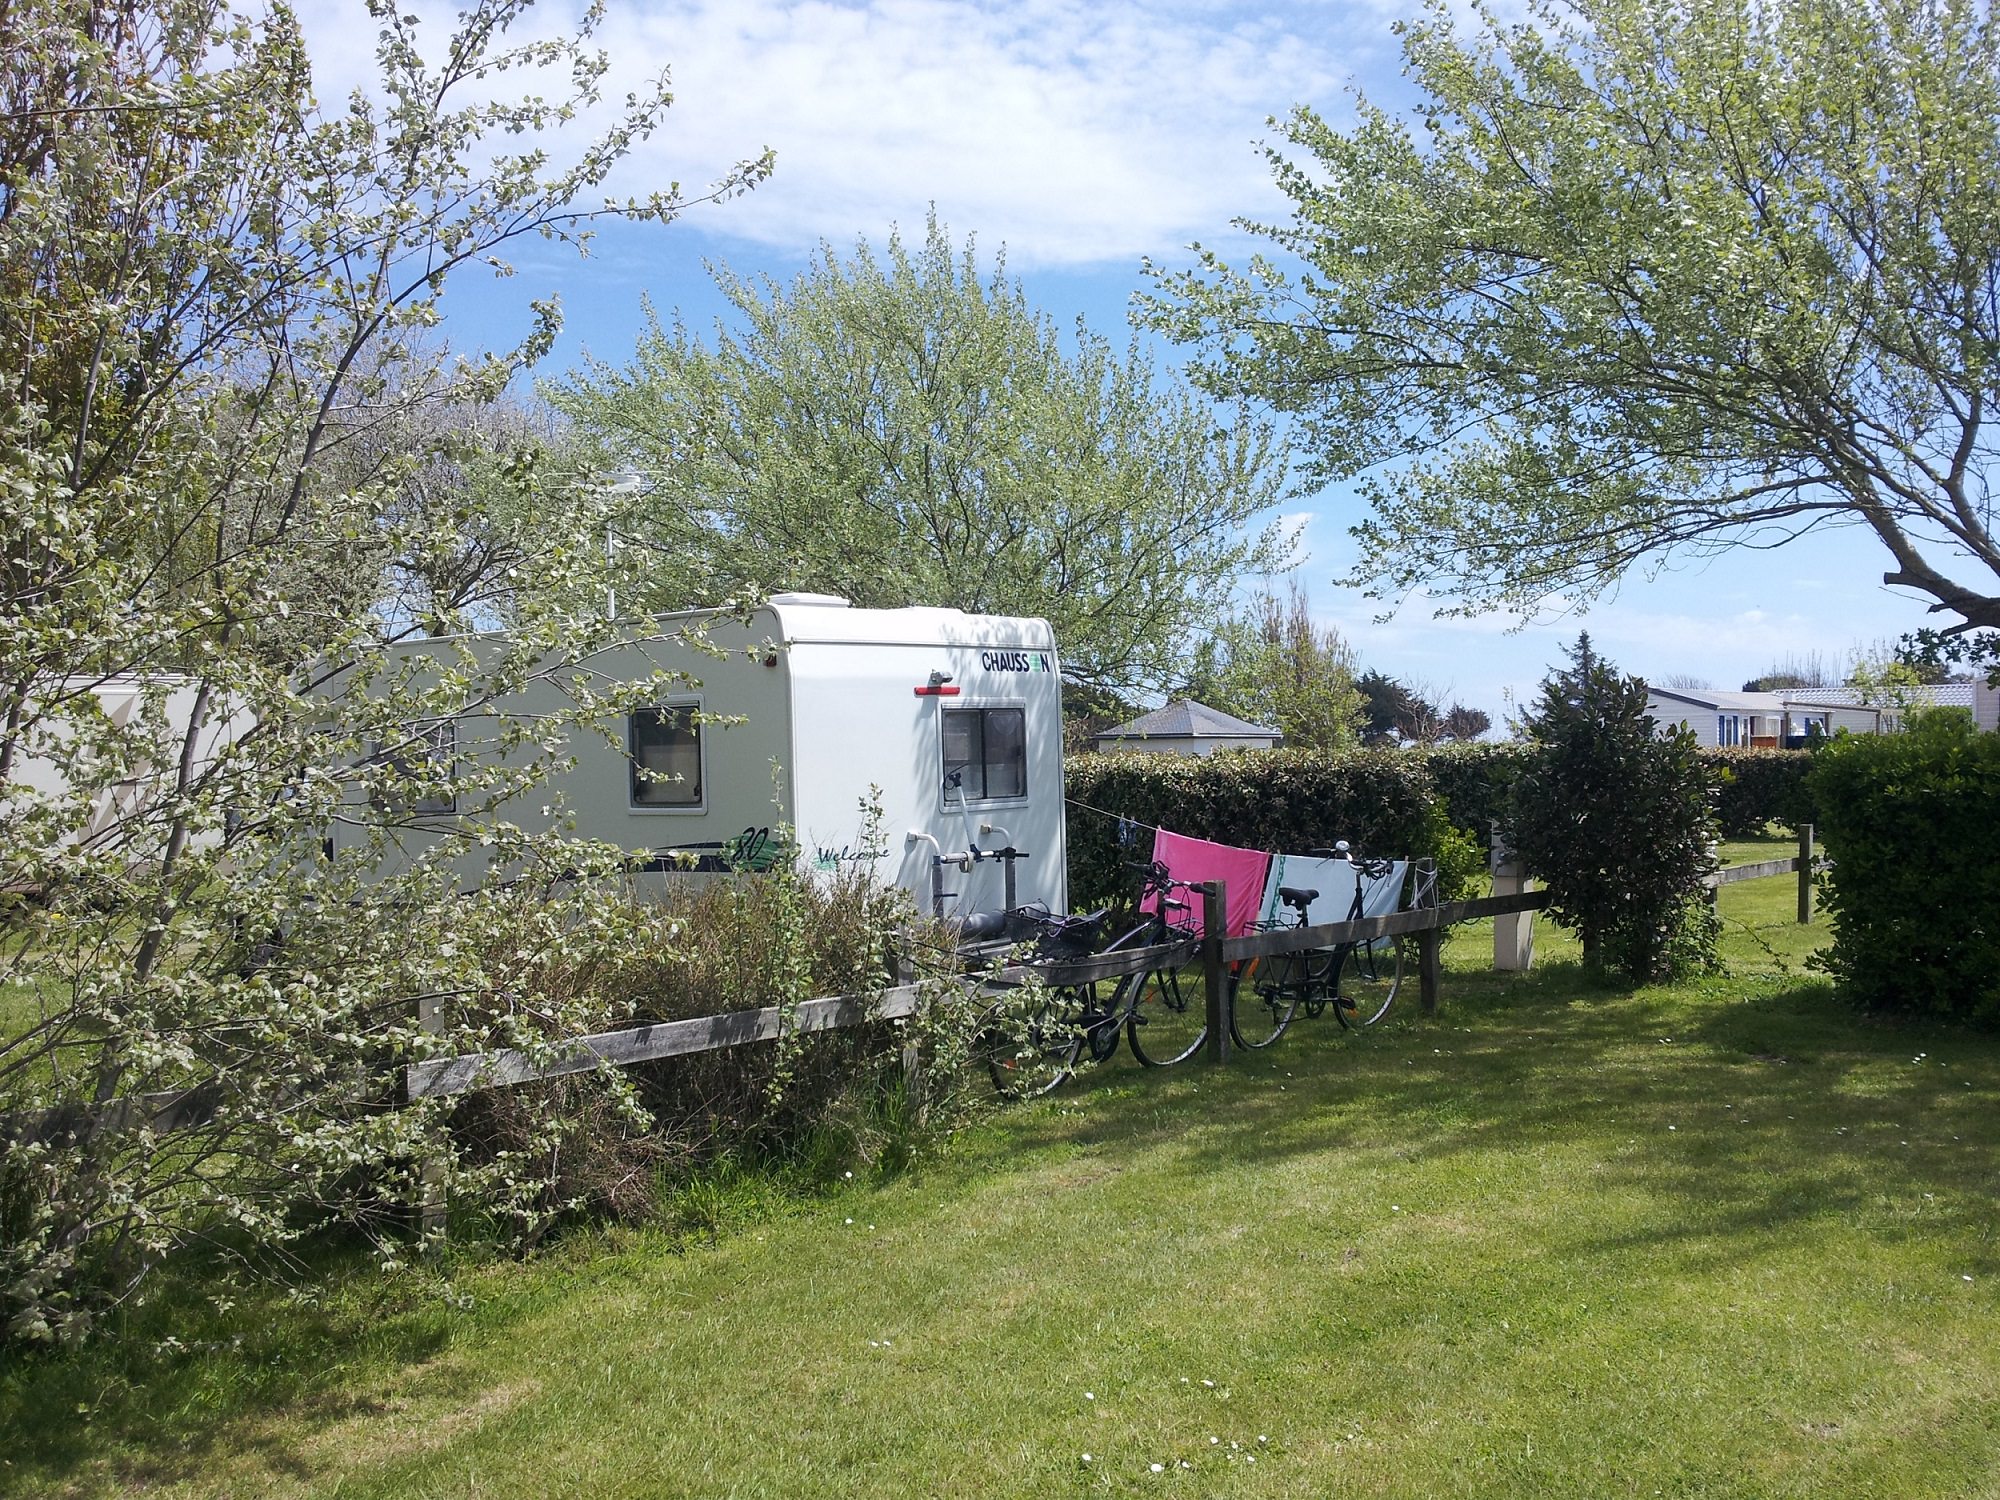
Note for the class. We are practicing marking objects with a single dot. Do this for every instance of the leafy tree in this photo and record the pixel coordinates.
(1941, 656)
(211, 293)
(1462, 723)
(1616, 817)
(1408, 713)
(1422, 721)
(1275, 665)
(1386, 707)
(1088, 712)
(907, 430)
(1640, 280)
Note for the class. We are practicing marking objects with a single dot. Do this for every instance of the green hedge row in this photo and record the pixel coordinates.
(1381, 801)
(1473, 781)
(1914, 892)
(1386, 801)
(1762, 786)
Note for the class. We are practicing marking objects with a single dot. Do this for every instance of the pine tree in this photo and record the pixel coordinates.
(1616, 816)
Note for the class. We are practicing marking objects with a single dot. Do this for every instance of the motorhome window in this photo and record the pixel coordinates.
(666, 756)
(985, 753)
(428, 753)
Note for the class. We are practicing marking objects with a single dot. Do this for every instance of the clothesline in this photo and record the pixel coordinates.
(1121, 819)
(1125, 819)
(1254, 878)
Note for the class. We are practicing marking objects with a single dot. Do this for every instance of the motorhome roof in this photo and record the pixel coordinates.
(914, 625)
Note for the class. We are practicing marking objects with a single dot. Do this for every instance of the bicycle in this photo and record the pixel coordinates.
(1164, 1010)
(1161, 1012)
(1359, 979)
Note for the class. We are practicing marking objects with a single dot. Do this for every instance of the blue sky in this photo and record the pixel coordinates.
(1082, 137)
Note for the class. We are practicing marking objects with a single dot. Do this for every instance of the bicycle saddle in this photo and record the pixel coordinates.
(1297, 896)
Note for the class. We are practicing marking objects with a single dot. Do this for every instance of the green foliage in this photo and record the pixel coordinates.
(215, 296)
(905, 430)
(1274, 666)
(1281, 800)
(1754, 786)
(1617, 822)
(1389, 710)
(1460, 856)
(1474, 782)
(1635, 280)
(1909, 821)
(1936, 654)
(1760, 786)
(621, 1144)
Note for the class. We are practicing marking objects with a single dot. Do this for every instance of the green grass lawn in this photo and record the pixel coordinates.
(1716, 1239)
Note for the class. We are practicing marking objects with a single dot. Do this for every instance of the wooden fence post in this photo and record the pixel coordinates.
(1513, 936)
(1430, 968)
(1214, 905)
(1805, 872)
(898, 972)
(431, 1205)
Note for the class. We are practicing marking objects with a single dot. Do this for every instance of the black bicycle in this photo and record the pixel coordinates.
(1161, 1012)
(1360, 980)
(1032, 1045)
(1165, 1009)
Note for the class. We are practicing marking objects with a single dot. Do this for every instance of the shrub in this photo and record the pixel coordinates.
(1617, 821)
(507, 968)
(1914, 891)
(1380, 801)
(1760, 786)
(1460, 856)
(807, 1105)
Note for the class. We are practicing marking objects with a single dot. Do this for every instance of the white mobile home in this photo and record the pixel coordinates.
(148, 716)
(951, 723)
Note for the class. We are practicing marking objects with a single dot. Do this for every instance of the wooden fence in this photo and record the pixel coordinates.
(680, 1038)
(442, 1077)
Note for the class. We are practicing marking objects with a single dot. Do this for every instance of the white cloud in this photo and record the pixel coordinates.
(1076, 133)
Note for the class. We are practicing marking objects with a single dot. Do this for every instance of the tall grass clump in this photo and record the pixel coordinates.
(625, 1142)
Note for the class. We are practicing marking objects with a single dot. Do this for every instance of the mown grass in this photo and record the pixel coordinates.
(1719, 1238)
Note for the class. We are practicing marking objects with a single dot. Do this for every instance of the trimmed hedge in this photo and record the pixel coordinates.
(1380, 801)
(1762, 786)
(1914, 892)
(1474, 781)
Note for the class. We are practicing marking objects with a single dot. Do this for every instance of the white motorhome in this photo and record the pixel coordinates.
(950, 723)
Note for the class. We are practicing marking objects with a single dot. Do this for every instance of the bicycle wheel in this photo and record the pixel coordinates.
(1167, 1014)
(1368, 979)
(1264, 994)
(1029, 1052)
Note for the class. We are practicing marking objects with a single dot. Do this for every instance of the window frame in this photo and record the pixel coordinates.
(983, 706)
(696, 808)
(439, 737)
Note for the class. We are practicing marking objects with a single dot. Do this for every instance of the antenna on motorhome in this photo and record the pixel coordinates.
(615, 485)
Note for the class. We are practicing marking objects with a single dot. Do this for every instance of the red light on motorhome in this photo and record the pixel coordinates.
(938, 690)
